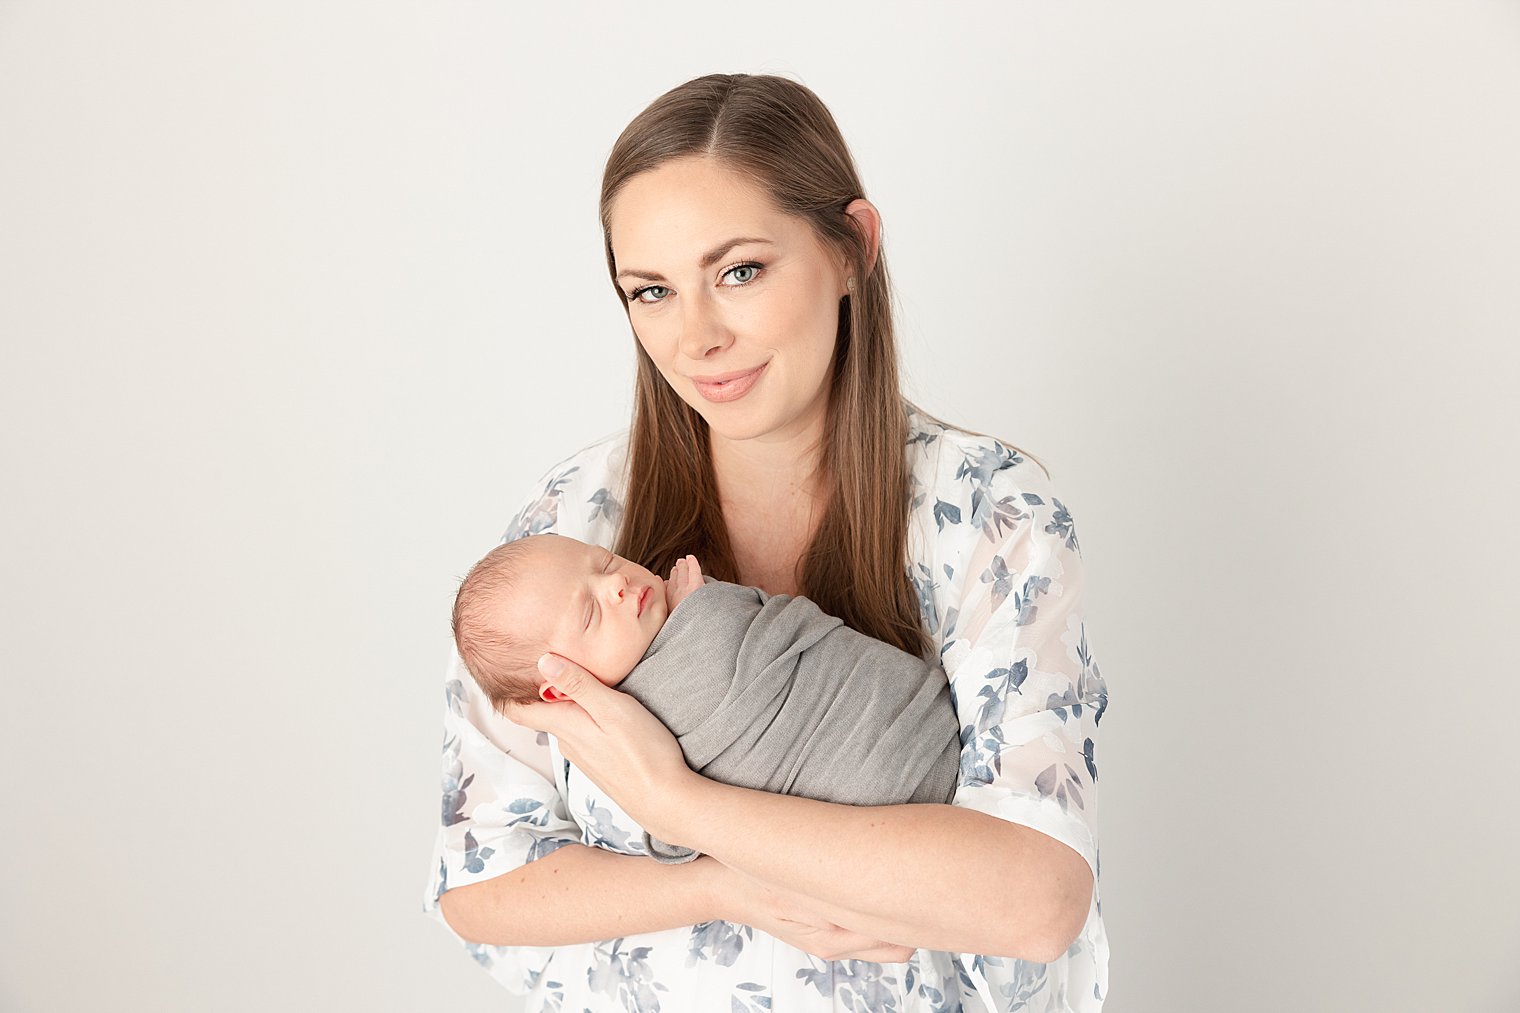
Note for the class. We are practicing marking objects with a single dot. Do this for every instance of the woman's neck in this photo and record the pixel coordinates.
(773, 491)
(766, 470)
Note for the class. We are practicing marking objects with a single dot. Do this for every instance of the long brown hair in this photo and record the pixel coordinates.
(778, 133)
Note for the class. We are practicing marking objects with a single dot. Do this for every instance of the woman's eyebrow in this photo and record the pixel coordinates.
(709, 258)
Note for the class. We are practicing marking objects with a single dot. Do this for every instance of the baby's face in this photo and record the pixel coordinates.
(597, 609)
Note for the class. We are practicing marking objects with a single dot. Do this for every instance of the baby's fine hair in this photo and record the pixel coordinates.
(503, 665)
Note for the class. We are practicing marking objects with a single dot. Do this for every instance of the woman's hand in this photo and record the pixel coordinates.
(615, 741)
(635, 759)
(792, 919)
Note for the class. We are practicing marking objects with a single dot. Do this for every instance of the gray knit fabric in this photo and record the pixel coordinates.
(766, 691)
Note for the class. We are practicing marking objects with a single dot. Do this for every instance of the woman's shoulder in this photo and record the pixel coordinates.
(598, 455)
(576, 492)
(949, 460)
(970, 491)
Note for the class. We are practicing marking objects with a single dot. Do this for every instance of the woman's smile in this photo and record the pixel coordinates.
(728, 386)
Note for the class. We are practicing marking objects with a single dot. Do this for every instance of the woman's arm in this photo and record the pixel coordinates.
(582, 894)
(913, 874)
(509, 869)
(936, 877)
(1008, 867)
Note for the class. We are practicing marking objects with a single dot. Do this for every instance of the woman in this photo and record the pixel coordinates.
(770, 438)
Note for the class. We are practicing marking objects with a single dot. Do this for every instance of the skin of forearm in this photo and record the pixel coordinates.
(581, 894)
(929, 876)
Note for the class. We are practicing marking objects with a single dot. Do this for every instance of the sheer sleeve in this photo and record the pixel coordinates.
(500, 806)
(1001, 583)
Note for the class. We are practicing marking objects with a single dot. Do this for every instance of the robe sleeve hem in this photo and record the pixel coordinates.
(1042, 814)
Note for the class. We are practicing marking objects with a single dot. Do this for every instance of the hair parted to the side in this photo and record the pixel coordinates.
(504, 666)
(780, 135)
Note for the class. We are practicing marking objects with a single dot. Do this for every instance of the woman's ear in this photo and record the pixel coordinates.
(867, 221)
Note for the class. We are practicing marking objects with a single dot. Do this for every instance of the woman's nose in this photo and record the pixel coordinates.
(702, 332)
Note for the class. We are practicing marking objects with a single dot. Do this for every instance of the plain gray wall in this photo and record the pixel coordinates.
(297, 299)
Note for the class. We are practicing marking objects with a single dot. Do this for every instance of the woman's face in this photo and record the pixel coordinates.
(744, 332)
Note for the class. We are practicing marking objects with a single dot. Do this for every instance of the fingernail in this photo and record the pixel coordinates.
(550, 665)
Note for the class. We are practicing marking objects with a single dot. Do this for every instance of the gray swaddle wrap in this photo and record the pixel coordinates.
(766, 691)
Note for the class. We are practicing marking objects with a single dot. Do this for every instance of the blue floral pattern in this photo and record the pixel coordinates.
(996, 564)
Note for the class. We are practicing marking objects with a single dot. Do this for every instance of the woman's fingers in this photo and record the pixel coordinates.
(618, 744)
(834, 943)
(790, 917)
(521, 714)
(572, 682)
(559, 719)
(886, 954)
(563, 712)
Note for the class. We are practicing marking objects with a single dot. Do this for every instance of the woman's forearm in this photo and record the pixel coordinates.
(930, 876)
(580, 894)
(934, 876)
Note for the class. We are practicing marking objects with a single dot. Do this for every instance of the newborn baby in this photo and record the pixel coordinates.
(761, 691)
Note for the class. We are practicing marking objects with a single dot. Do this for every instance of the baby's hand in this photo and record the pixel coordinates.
(685, 577)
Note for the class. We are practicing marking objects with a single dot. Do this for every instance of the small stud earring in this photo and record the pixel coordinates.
(850, 284)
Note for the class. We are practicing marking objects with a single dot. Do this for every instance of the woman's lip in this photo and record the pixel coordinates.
(732, 386)
(725, 377)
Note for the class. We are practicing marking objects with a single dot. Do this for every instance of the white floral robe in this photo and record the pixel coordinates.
(994, 557)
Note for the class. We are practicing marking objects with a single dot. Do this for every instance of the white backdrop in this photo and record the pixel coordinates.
(297, 299)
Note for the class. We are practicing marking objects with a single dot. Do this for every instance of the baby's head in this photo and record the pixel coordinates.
(550, 593)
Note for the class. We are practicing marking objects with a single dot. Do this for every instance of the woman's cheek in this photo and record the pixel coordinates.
(661, 353)
(817, 349)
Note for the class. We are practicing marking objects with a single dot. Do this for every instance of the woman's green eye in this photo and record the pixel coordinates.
(734, 272)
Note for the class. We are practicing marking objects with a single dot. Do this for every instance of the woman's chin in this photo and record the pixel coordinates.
(750, 419)
(735, 423)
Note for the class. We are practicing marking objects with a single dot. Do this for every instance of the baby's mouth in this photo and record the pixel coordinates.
(643, 598)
